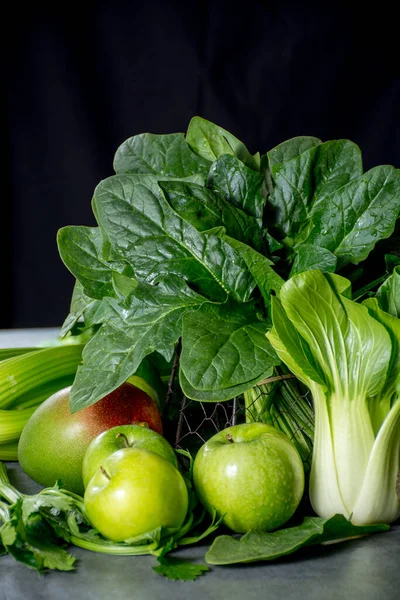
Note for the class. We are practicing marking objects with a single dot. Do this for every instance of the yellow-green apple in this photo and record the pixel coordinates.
(123, 436)
(252, 475)
(133, 492)
(53, 442)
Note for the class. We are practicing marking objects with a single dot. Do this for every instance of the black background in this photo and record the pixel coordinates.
(81, 78)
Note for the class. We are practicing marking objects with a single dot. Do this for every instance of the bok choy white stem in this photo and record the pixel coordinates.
(348, 354)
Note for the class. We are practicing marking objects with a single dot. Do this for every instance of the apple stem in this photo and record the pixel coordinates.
(126, 441)
(229, 438)
(105, 472)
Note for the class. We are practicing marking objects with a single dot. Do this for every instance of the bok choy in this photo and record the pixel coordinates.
(348, 354)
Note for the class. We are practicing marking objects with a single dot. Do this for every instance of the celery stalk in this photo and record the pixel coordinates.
(280, 404)
(9, 451)
(26, 380)
(22, 378)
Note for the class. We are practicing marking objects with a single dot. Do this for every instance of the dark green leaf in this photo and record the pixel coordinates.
(309, 256)
(225, 394)
(388, 295)
(81, 251)
(151, 319)
(163, 155)
(79, 304)
(178, 569)
(241, 186)
(224, 346)
(391, 261)
(155, 241)
(352, 219)
(262, 269)
(258, 546)
(303, 180)
(211, 141)
(289, 150)
(205, 210)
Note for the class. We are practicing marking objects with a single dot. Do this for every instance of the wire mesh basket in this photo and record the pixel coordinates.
(278, 401)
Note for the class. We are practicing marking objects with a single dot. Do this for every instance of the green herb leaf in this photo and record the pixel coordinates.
(178, 569)
(30, 541)
(258, 546)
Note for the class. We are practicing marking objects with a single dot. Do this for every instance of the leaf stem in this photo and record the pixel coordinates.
(170, 390)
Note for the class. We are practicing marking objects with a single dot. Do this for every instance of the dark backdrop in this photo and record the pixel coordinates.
(81, 78)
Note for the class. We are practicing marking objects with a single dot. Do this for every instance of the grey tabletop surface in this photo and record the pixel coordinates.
(367, 568)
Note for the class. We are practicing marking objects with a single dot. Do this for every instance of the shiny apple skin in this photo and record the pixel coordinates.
(252, 475)
(116, 438)
(135, 492)
(54, 441)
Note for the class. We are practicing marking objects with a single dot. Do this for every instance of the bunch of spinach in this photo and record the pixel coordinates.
(195, 234)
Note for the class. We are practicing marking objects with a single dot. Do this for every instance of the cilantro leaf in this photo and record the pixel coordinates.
(179, 569)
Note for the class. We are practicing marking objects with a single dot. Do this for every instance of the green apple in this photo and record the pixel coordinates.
(252, 475)
(133, 492)
(123, 436)
(54, 440)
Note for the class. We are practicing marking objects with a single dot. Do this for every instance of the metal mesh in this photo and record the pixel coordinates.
(194, 422)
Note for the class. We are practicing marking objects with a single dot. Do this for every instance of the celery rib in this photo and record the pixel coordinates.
(24, 377)
(12, 423)
(6, 353)
(9, 451)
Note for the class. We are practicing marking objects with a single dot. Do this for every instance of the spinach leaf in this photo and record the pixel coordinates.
(81, 249)
(79, 303)
(149, 320)
(240, 185)
(288, 150)
(256, 546)
(223, 347)
(350, 220)
(330, 212)
(267, 279)
(312, 256)
(154, 241)
(306, 176)
(211, 141)
(165, 155)
(205, 210)
(202, 218)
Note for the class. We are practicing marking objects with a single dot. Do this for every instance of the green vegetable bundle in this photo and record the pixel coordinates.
(194, 236)
(242, 264)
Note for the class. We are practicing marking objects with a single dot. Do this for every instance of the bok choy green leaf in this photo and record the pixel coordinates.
(348, 354)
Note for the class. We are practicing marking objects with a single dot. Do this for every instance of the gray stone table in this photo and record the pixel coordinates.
(360, 569)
